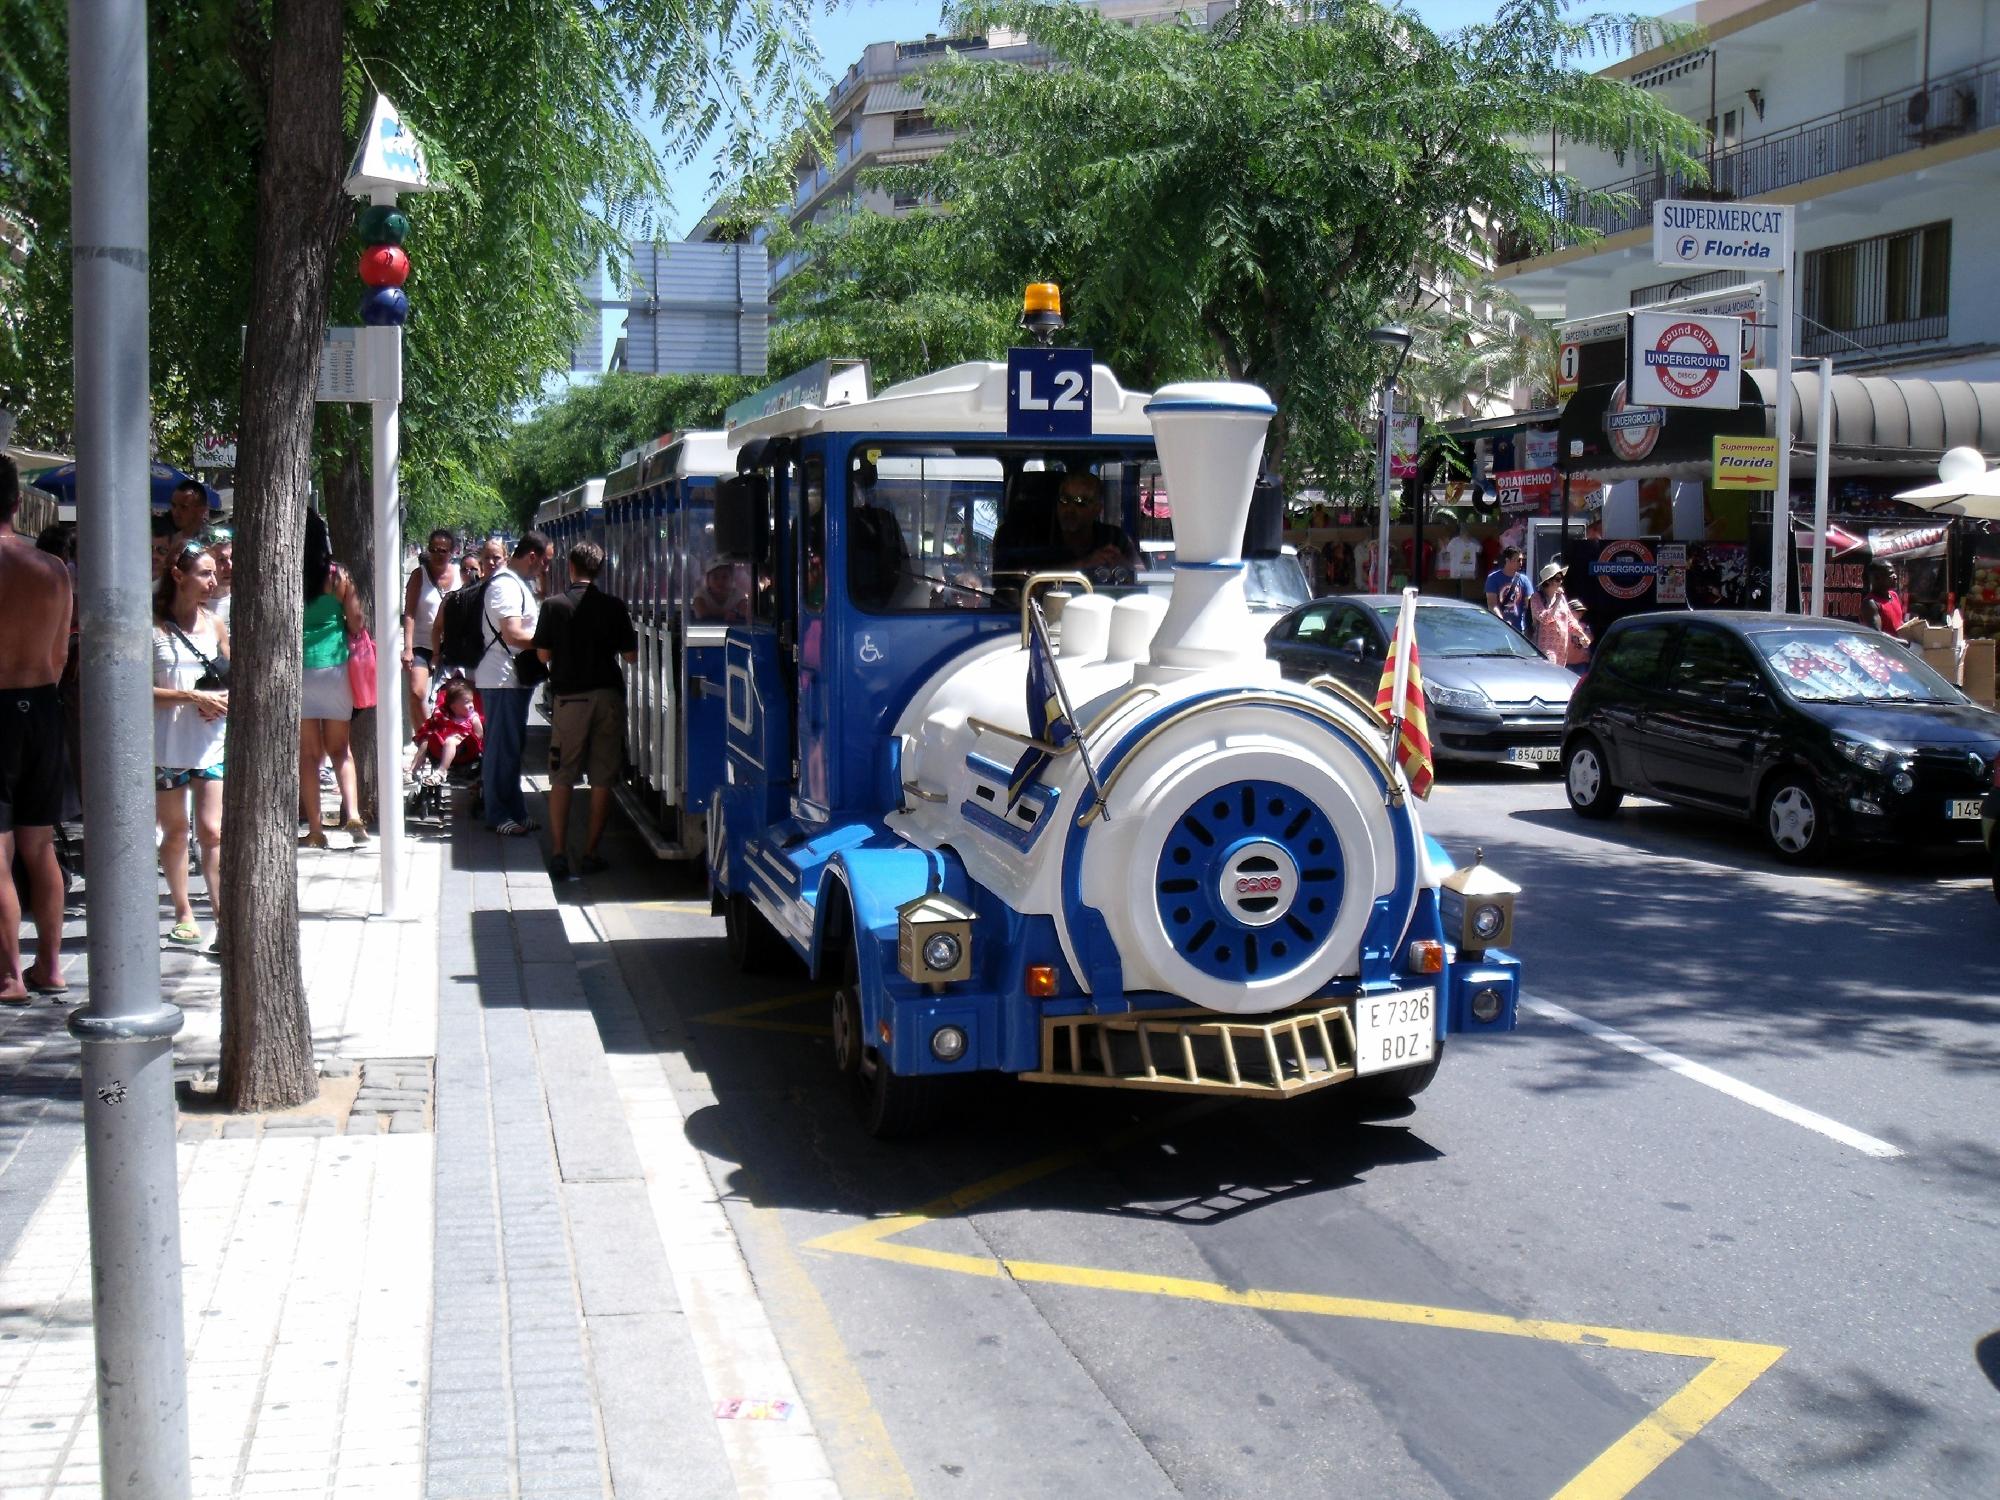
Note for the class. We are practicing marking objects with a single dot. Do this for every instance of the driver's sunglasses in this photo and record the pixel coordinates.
(1069, 499)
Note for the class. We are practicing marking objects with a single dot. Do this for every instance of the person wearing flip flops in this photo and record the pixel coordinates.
(190, 726)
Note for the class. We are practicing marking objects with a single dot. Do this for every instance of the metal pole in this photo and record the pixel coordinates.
(389, 747)
(1382, 527)
(1781, 496)
(1822, 471)
(125, 1032)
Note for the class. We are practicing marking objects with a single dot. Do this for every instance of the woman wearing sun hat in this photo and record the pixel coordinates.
(1557, 623)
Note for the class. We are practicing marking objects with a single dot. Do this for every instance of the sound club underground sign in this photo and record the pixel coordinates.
(1679, 359)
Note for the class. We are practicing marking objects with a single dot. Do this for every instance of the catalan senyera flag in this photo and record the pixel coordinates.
(1413, 739)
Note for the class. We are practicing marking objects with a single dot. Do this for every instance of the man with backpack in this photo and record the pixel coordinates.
(506, 675)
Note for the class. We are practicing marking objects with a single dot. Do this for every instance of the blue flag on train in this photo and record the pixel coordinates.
(1046, 720)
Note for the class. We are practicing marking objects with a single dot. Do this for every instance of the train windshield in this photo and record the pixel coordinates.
(957, 527)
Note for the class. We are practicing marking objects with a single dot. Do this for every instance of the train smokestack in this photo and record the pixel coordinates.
(1211, 441)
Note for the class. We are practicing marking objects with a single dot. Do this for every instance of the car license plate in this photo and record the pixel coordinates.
(1535, 755)
(1394, 1031)
(1963, 807)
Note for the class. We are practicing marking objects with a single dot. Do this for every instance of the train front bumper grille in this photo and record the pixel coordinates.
(1269, 1057)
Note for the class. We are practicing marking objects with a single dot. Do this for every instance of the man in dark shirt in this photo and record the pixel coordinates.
(583, 635)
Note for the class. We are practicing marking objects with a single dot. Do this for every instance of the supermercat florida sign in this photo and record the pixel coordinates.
(1722, 236)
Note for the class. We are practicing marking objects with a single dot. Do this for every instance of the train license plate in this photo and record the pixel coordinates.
(1535, 755)
(1394, 1031)
(1963, 807)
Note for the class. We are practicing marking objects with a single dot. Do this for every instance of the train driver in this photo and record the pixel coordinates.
(1083, 540)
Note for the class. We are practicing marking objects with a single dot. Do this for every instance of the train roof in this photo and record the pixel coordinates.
(970, 397)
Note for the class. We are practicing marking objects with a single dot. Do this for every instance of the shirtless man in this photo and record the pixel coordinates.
(34, 647)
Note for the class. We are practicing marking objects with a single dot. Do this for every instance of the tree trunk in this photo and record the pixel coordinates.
(350, 525)
(267, 1057)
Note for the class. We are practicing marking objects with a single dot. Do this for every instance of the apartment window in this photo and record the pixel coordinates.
(1730, 133)
(1892, 289)
(904, 198)
(1882, 71)
(914, 122)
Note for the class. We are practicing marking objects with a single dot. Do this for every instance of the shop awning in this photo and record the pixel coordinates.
(893, 99)
(1881, 425)
(1886, 422)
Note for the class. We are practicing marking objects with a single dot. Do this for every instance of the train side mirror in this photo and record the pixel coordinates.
(742, 519)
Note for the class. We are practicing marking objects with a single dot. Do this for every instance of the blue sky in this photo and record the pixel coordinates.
(842, 34)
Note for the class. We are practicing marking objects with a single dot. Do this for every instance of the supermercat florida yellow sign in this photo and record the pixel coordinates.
(1745, 463)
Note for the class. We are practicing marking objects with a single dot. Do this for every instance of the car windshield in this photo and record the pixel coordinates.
(1850, 666)
(1443, 630)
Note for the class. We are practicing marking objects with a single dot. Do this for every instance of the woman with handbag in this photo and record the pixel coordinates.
(333, 618)
(190, 723)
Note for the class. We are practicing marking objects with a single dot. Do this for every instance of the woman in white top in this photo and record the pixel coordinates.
(433, 577)
(190, 720)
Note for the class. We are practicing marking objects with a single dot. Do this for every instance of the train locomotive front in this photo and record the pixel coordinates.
(1124, 852)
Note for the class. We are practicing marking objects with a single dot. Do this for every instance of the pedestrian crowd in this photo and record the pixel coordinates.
(481, 636)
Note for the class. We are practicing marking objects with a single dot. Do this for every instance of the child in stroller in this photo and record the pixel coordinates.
(449, 744)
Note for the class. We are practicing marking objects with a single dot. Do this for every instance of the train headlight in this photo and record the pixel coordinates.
(934, 939)
(942, 951)
(1486, 1004)
(1477, 905)
(948, 1044)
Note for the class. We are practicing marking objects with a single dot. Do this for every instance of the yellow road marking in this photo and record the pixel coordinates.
(1733, 1366)
(751, 1017)
(699, 908)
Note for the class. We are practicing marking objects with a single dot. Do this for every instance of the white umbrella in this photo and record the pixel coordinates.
(1965, 487)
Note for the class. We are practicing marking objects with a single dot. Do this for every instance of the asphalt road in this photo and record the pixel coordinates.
(1695, 1270)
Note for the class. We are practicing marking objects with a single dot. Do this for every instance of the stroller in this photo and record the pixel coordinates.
(428, 797)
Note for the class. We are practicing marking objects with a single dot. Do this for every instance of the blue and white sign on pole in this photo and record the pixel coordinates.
(1679, 359)
(1749, 237)
(1757, 238)
(1048, 393)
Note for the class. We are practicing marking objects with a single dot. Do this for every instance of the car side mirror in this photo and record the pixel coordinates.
(1741, 692)
(1355, 647)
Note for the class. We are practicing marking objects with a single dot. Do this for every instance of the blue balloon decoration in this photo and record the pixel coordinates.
(385, 306)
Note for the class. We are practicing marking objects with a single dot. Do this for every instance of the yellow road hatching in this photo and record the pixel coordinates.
(1732, 1365)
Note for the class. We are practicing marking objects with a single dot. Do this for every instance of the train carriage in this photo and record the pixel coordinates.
(1121, 852)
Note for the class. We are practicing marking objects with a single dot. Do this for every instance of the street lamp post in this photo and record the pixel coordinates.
(125, 1031)
(1397, 337)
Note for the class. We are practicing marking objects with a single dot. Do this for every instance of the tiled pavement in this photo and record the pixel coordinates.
(541, 1352)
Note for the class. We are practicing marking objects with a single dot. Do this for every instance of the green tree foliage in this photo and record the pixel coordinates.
(1250, 198)
(882, 289)
(535, 117)
(583, 432)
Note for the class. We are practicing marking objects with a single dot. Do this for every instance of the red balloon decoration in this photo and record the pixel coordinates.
(384, 265)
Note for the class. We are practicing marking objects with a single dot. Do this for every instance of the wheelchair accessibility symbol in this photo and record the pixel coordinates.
(869, 652)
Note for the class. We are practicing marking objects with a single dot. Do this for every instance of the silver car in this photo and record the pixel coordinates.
(1492, 695)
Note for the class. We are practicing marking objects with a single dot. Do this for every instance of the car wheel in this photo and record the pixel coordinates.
(1795, 819)
(1587, 780)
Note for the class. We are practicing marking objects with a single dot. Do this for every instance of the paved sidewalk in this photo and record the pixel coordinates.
(484, 1263)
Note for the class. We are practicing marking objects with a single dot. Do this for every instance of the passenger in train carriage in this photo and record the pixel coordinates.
(724, 595)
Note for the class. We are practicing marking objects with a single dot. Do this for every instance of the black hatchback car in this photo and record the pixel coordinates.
(1815, 729)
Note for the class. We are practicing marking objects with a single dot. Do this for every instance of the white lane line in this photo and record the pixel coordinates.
(1701, 1073)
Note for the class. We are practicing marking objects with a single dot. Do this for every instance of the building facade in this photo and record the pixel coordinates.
(1879, 119)
(878, 119)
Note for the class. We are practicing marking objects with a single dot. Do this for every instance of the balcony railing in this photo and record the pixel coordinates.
(1955, 105)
